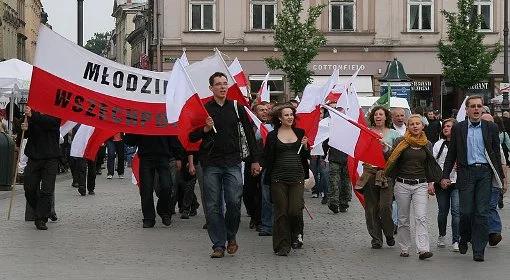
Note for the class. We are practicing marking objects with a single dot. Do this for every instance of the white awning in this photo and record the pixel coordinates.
(262, 77)
(363, 84)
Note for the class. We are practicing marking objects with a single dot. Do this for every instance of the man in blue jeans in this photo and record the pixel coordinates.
(220, 157)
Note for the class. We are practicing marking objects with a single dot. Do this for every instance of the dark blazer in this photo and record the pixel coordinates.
(432, 169)
(270, 151)
(457, 151)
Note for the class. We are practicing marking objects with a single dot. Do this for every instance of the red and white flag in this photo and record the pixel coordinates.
(260, 125)
(236, 70)
(200, 71)
(264, 94)
(308, 111)
(66, 126)
(74, 84)
(183, 105)
(135, 170)
(88, 140)
(354, 139)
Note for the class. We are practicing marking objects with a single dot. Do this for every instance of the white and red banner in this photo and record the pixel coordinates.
(200, 71)
(236, 70)
(87, 141)
(74, 84)
(183, 105)
(258, 123)
(354, 139)
(308, 112)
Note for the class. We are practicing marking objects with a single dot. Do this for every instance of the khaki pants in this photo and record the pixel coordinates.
(378, 211)
(417, 197)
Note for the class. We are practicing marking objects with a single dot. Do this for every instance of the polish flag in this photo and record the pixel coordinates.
(322, 135)
(308, 111)
(260, 125)
(184, 59)
(66, 126)
(135, 170)
(183, 105)
(264, 94)
(236, 71)
(355, 139)
(199, 73)
(88, 140)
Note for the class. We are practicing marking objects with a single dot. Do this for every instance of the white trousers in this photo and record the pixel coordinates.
(417, 196)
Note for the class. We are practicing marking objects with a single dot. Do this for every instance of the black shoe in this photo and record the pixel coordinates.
(463, 247)
(166, 220)
(333, 208)
(148, 223)
(494, 239)
(390, 241)
(258, 228)
(181, 210)
(263, 233)
(92, 193)
(40, 224)
(185, 215)
(324, 200)
(53, 217)
(193, 212)
(425, 255)
(204, 226)
(75, 185)
(478, 258)
(82, 191)
(283, 252)
(343, 210)
(98, 172)
(376, 246)
(252, 224)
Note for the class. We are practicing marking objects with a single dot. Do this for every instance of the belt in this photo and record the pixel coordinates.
(411, 181)
(478, 165)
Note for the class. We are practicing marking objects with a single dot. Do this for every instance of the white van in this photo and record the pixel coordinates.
(366, 102)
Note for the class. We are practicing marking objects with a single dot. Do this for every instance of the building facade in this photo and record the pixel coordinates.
(124, 12)
(33, 19)
(10, 23)
(361, 34)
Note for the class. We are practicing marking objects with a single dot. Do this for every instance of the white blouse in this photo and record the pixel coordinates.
(442, 157)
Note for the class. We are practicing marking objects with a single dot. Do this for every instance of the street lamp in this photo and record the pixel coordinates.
(80, 22)
(505, 103)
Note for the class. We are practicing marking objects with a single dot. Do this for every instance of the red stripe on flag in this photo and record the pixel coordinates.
(310, 123)
(98, 137)
(234, 93)
(57, 97)
(352, 169)
(192, 116)
(240, 79)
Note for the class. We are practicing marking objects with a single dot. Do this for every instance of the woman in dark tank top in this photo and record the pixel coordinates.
(286, 156)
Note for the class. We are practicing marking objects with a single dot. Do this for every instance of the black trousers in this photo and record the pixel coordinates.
(101, 154)
(186, 190)
(39, 185)
(252, 194)
(84, 173)
(150, 168)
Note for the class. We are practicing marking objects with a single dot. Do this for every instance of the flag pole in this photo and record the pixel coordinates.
(13, 187)
(194, 90)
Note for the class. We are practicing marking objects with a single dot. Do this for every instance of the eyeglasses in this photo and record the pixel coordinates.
(472, 106)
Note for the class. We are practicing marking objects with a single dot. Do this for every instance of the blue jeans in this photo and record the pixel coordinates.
(115, 149)
(448, 199)
(226, 182)
(474, 185)
(267, 207)
(320, 170)
(494, 219)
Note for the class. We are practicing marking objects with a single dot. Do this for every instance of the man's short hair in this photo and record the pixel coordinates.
(215, 75)
(262, 103)
(471, 98)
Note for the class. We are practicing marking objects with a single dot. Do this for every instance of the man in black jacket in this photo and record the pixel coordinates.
(220, 157)
(43, 152)
(434, 128)
(155, 154)
(475, 149)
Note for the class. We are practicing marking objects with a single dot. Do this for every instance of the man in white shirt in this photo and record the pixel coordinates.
(398, 119)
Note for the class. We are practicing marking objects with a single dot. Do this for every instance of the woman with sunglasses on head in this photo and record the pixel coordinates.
(286, 157)
(415, 170)
(447, 198)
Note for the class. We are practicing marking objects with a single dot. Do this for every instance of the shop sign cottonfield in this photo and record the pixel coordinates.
(347, 67)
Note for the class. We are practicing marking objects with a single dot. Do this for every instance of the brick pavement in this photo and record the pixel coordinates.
(100, 237)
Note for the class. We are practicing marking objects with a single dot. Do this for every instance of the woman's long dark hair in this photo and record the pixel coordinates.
(371, 117)
(276, 113)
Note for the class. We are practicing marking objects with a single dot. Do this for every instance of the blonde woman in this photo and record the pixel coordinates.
(415, 170)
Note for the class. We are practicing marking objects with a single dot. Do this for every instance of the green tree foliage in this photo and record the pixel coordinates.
(98, 43)
(299, 41)
(466, 60)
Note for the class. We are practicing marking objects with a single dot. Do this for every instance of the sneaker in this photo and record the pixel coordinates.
(121, 176)
(321, 194)
(315, 195)
(440, 242)
(455, 246)
(109, 177)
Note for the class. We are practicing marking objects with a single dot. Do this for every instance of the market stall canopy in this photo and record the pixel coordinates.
(15, 75)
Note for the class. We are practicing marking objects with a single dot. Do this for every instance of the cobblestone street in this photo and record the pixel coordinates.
(101, 237)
